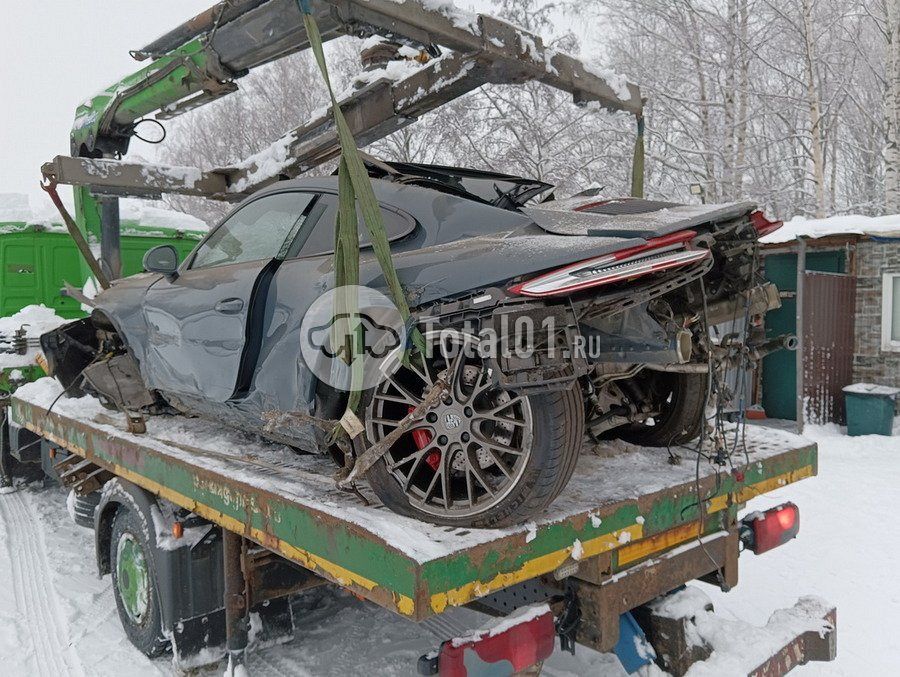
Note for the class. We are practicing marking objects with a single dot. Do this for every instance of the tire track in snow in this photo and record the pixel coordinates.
(34, 594)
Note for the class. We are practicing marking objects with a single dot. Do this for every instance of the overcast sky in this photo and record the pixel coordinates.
(56, 53)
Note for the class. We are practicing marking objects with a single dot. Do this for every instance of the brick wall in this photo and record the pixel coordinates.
(870, 363)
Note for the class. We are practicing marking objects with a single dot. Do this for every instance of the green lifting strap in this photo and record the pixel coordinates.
(637, 163)
(355, 185)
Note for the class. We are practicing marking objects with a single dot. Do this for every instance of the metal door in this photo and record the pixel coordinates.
(829, 309)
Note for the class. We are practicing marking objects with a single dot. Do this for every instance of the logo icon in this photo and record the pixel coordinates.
(334, 344)
(451, 421)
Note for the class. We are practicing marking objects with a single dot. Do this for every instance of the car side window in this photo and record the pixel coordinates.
(320, 226)
(256, 231)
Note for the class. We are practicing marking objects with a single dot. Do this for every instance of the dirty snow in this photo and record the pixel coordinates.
(849, 224)
(601, 484)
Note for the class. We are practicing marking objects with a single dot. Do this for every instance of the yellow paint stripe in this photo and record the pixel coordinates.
(474, 589)
(337, 573)
(773, 483)
(658, 543)
(674, 537)
(533, 568)
(636, 548)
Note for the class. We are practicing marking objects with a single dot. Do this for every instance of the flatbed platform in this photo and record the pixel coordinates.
(629, 504)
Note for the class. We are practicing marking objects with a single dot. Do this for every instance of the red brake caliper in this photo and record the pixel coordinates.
(422, 438)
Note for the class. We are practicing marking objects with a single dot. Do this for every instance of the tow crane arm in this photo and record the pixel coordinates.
(203, 59)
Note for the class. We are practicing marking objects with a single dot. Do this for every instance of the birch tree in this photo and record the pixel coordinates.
(890, 28)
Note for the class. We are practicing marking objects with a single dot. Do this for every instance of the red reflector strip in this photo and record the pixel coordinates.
(589, 275)
(774, 527)
(611, 268)
(762, 225)
(512, 650)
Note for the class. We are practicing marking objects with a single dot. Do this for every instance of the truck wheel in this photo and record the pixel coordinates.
(678, 400)
(134, 583)
(484, 456)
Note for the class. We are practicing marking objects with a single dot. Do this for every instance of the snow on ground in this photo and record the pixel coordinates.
(848, 552)
(58, 618)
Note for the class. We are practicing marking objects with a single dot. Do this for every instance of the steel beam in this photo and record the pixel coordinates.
(236, 607)
(114, 177)
(197, 62)
(110, 241)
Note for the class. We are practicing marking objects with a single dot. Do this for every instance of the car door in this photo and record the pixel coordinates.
(304, 276)
(204, 323)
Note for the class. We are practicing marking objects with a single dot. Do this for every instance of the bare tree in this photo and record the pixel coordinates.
(795, 105)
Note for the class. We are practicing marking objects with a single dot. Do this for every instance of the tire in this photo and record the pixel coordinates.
(681, 418)
(84, 507)
(139, 613)
(556, 432)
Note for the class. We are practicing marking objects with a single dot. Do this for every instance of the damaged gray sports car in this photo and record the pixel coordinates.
(632, 288)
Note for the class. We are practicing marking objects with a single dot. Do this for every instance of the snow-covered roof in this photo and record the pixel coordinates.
(18, 207)
(848, 224)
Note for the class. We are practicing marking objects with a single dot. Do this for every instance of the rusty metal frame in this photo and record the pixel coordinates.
(343, 552)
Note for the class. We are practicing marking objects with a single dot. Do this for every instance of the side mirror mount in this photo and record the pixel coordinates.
(162, 259)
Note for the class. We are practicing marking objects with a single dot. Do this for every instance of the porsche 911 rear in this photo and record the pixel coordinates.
(634, 343)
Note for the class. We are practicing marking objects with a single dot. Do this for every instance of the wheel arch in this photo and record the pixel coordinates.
(118, 494)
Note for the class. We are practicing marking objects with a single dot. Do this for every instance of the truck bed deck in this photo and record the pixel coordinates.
(629, 502)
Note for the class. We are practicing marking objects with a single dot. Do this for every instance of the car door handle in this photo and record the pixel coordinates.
(229, 306)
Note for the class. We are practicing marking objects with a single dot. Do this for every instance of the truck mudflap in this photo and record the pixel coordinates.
(677, 631)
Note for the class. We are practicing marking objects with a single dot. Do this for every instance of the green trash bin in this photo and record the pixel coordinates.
(870, 409)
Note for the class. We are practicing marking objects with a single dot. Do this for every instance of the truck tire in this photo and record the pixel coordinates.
(134, 583)
(501, 457)
(680, 400)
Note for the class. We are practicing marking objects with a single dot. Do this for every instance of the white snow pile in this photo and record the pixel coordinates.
(871, 389)
(848, 224)
(494, 627)
(739, 647)
(37, 320)
(462, 19)
(18, 207)
(267, 163)
(616, 81)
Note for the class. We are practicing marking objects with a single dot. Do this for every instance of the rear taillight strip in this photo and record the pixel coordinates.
(656, 254)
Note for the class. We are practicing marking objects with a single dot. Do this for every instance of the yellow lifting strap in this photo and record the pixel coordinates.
(355, 187)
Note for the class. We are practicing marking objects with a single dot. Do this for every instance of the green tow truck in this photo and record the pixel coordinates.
(38, 260)
(202, 529)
